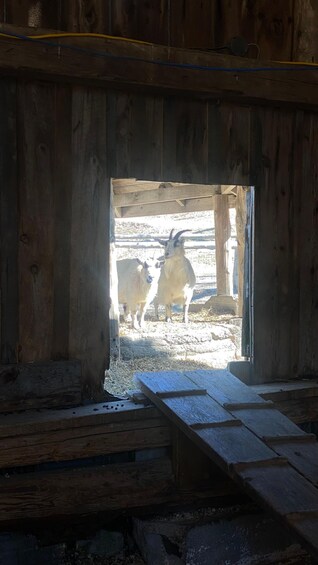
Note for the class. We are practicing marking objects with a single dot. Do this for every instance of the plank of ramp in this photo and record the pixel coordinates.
(224, 387)
(240, 449)
(303, 456)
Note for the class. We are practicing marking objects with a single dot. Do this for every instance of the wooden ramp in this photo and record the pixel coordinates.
(260, 448)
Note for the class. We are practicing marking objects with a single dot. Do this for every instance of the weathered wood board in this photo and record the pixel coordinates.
(244, 447)
(40, 385)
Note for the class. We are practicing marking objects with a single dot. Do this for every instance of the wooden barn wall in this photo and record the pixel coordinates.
(54, 226)
(62, 146)
(284, 29)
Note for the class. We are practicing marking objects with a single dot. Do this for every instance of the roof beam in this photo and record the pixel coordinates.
(112, 63)
(193, 205)
(182, 192)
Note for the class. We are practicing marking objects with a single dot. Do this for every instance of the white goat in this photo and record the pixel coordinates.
(177, 278)
(137, 285)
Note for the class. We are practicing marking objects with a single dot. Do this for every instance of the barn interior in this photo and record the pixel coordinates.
(207, 466)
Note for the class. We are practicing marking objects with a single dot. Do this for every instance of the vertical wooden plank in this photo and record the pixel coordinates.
(62, 220)
(305, 44)
(308, 248)
(192, 23)
(228, 133)
(8, 223)
(141, 19)
(135, 136)
(119, 134)
(33, 13)
(146, 137)
(89, 278)
(224, 280)
(113, 287)
(91, 16)
(36, 223)
(240, 220)
(276, 300)
(268, 25)
(185, 151)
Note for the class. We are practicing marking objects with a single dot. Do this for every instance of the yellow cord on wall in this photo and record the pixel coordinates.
(62, 35)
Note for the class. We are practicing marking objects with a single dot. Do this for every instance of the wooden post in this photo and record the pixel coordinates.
(240, 235)
(305, 44)
(113, 289)
(224, 280)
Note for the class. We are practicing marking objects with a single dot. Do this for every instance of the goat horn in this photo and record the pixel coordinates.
(170, 236)
(179, 233)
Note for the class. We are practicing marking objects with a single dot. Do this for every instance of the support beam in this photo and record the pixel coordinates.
(240, 234)
(111, 63)
(177, 193)
(113, 287)
(191, 205)
(224, 280)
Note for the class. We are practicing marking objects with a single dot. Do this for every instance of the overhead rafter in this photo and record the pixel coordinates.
(174, 192)
(121, 64)
(191, 205)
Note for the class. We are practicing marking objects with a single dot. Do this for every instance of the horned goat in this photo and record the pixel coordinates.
(177, 278)
(137, 286)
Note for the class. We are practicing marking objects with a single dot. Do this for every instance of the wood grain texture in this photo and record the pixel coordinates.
(62, 221)
(141, 19)
(308, 249)
(82, 442)
(146, 137)
(276, 297)
(191, 205)
(185, 151)
(193, 24)
(91, 16)
(141, 67)
(229, 144)
(267, 477)
(305, 39)
(224, 274)
(40, 385)
(270, 26)
(36, 220)
(89, 270)
(9, 333)
(94, 489)
(101, 489)
(32, 13)
(123, 413)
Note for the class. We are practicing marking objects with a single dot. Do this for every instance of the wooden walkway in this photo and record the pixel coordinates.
(274, 461)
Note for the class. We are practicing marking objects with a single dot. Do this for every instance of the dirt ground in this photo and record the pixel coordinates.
(209, 340)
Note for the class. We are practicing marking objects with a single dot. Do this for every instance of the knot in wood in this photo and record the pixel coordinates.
(24, 238)
(34, 269)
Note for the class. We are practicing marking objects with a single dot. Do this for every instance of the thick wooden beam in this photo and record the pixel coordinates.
(40, 385)
(191, 205)
(240, 234)
(224, 278)
(116, 64)
(165, 195)
(102, 488)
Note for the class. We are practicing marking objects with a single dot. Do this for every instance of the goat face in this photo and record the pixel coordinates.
(151, 268)
(174, 245)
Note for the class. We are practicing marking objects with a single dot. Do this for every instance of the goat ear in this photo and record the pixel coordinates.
(139, 262)
(145, 265)
(162, 242)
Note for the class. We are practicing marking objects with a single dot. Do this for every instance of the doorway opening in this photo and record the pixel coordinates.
(219, 247)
